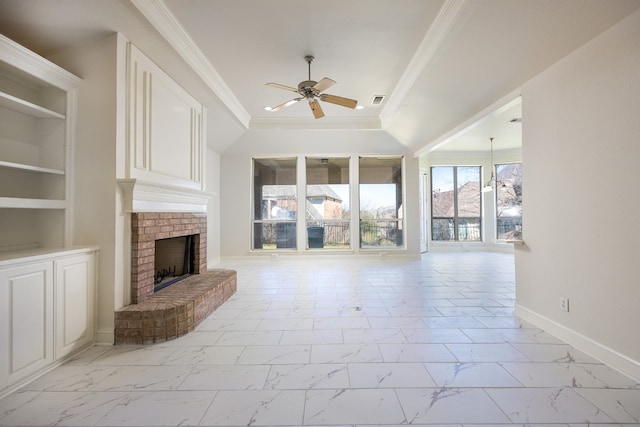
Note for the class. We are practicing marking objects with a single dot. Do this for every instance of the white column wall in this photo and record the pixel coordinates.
(581, 155)
(213, 208)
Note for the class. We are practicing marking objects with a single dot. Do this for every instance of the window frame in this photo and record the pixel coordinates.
(284, 229)
(456, 218)
(299, 221)
(331, 227)
(399, 220)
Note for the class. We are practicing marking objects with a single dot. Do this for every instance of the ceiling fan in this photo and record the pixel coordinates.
(312, 91)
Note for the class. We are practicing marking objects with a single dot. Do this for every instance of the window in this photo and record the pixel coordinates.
(275, 203)
(455, 203)
(381, 207)
(509, 201)
(327, 211)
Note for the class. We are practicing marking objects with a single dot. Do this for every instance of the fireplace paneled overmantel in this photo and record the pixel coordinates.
(144, 196)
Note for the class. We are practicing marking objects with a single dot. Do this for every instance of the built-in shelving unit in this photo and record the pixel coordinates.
(37, 127)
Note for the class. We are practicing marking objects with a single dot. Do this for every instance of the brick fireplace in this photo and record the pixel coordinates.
(146, 228)
(173, 311)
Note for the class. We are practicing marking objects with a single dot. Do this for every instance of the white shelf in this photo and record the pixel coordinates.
(20, 166)
(25, 107)
(20, 203)
(39, 254)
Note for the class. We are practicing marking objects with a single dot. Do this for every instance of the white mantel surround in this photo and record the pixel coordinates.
(141, 196)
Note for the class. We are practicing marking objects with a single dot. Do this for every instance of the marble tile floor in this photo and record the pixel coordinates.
(336, 341)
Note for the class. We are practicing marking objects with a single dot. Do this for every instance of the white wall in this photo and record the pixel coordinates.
(581, 155)
(236, 181)
(213, 208)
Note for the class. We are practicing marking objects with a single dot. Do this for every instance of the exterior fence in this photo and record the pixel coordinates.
(335, 234)
(381, 233)
(509, 227)
(444, 229)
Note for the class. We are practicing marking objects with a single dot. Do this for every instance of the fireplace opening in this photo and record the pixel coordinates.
(174, 260)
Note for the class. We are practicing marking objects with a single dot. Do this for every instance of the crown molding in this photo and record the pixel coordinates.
(326, 123)
(430, 44)
(159, 15)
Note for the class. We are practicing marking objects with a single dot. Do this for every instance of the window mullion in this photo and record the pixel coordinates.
(455, 204)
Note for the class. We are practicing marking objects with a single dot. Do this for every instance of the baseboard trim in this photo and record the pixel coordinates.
(275, 256)
(596, 350)
(105, 337)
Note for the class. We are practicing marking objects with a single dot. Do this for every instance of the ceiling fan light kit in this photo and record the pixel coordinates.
(312, 91)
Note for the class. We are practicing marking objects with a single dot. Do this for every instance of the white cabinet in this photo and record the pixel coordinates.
(37, 122)
(26, 307)
(47, 310)
(74, 294)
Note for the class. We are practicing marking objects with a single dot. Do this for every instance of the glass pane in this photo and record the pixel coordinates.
(329, 234)
(469, 229)
(275, 203)
(381, 209)
(443, 229)
(380, 233)
(274, 235)
(327, 210)
(468, 181)
(509, 201)
(442, 191)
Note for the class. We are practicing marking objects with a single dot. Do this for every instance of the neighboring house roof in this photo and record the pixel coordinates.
(312, 212)
(322, 191)
(278, 191)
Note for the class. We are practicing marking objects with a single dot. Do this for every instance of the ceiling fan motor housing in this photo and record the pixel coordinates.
(306, 89)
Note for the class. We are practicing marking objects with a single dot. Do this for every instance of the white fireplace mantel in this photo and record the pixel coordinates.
(142, 196)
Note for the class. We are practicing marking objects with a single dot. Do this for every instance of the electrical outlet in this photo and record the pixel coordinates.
(564, 304)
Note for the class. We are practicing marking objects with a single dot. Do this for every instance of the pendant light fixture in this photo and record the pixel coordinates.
(488, 187)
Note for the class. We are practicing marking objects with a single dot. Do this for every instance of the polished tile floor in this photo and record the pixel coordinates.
(343, 342)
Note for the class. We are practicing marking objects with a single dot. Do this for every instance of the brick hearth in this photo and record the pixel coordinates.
(176, 310)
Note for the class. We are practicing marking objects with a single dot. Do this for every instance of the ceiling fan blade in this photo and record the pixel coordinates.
(285, 87)
(345, 102)
(324, 84)
(286, 104)
(316, 108)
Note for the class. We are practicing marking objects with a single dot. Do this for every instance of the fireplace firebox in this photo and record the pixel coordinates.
(173, 260)
(151, 231)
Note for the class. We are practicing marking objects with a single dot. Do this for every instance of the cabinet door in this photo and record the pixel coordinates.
(74, 307)
(26, 321)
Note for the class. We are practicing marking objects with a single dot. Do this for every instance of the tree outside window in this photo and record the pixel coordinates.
(509, 201)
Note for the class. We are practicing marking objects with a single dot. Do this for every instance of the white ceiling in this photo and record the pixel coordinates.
(444, 66)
